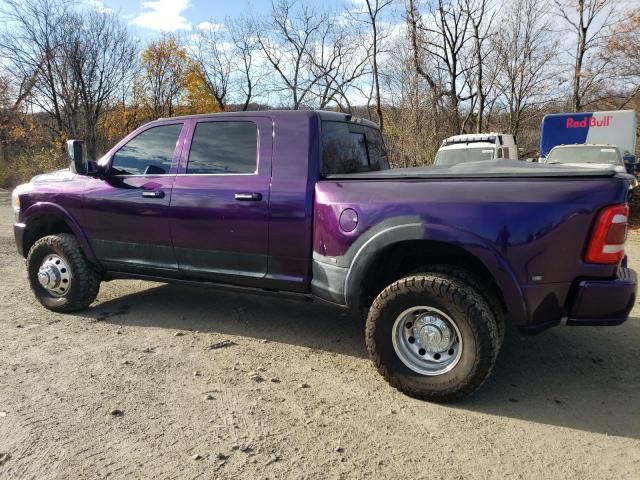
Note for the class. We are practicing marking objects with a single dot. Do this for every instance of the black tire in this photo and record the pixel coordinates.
(471, 314)
(85, 281)
(476, 283)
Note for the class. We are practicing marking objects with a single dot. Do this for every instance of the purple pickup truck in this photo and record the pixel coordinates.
(303, 204)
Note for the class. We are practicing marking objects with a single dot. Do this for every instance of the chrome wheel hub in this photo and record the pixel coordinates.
(433, 333)
(54, 275)
(427, 340)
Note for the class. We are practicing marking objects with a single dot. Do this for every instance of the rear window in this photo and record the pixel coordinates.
(585, 154)
(455, 156)
(352, 148)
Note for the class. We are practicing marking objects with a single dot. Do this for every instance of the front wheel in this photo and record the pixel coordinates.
(432, 336)
(60, 276)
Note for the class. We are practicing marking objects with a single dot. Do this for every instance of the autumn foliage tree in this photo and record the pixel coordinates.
(198, 95)
(164, 63)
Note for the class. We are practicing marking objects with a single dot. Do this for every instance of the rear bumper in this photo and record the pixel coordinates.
(604, 302)
(18, 233)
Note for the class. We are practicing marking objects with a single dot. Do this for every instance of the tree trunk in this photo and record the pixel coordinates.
(374, 30)
(582, 32)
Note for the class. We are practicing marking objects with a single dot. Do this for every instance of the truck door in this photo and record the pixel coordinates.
(126, 213)
(219, 210)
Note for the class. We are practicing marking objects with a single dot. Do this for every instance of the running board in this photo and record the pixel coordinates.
(305, 297)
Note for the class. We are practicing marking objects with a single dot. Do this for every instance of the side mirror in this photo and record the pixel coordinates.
(77, 152)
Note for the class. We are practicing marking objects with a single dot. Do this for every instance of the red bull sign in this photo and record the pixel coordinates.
(589, 122)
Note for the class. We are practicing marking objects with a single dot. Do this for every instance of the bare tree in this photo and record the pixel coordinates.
(590, 20)
(481, 17)
(415, 31)
(102, 55)
(286, 43)
(623, 52)
(414, 22)
(374, 8)
(525, 48)
(412, 123)
(214, 57)
(248, 77)
(70, 64)
(32, 43)
(443, 37)
(339, 58)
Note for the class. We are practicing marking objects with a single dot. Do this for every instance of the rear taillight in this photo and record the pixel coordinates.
(608, 235)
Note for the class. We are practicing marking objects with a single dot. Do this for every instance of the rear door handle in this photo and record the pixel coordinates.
(153, 194)
(248, 197)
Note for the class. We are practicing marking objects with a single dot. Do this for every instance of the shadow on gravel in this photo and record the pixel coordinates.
(301, 323)
(586, 378)
(582, 378)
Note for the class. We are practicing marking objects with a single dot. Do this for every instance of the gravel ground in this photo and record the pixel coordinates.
(132, 388)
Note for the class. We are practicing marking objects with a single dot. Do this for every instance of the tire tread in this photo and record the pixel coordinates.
(86, 278)
(451, 289)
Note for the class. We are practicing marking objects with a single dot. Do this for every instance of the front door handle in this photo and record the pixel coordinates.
(248, 197)
(153, 194)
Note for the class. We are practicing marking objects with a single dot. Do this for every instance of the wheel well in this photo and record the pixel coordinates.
(41, 227)
(400, 259)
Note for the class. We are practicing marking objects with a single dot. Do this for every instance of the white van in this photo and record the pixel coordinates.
(473, 147)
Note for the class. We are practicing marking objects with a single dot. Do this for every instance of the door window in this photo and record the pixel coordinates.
(223, 148)
(149, 153)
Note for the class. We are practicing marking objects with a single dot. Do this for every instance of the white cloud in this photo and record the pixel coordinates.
(163, 15)
(210, 26)
(98, 5)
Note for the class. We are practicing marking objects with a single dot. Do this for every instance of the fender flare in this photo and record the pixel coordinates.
(48, 209)
(361, 257)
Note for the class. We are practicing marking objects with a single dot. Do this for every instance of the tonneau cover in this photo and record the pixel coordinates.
(480, 169)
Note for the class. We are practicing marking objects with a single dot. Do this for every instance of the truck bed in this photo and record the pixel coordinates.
(527, 223)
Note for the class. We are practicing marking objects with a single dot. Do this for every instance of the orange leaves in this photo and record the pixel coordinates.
(165, 63)
(172, 83)
(198, 96)
(17, 134)
(166, 51)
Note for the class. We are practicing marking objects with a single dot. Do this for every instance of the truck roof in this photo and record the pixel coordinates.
(472, 137)
(599, 145)
(283, 115)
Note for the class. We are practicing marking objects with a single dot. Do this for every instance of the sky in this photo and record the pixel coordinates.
(150, 17)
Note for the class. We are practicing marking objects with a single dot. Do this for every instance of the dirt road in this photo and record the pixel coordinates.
(294, 396)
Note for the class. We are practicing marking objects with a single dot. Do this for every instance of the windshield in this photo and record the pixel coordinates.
(584, 154)
(461, 155)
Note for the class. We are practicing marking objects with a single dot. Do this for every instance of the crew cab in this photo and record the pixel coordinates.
(304, 204)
